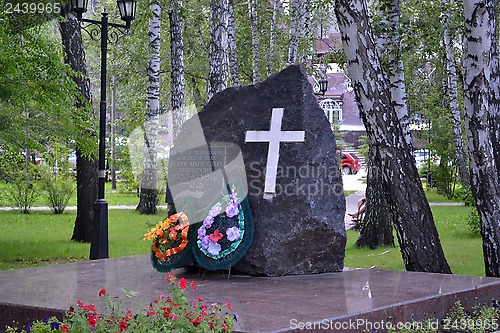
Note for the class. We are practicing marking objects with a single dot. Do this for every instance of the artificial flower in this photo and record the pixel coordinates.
(233, 234)
(215, 210)
(232, 209)
(213, 248)
(216, 236)
(207, 222)
(202, 232)
(205, 241)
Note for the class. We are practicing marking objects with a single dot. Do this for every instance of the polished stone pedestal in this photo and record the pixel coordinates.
(351, 301)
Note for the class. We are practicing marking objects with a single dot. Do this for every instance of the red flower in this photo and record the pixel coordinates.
(216, 236)
(200, 300)
(173, 316)
(193, 284)
(196, 321)
(123, 326)
(228, 305)
(170, 277)
(102, 292)
(71, 309)
(92, 321)
(183, 283)
(64, 328)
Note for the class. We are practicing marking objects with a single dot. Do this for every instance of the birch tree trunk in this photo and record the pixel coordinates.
(149, 193)
(217, 54)
(378, 222)
(233, 54)
(481, 103)
(456, 118)
(377, 227)
(293, 48)
(272, 29)
(254, 24)
(418, 237)
(177, 86)
(86, 171)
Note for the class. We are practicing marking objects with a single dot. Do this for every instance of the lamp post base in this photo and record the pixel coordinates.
(99, 245)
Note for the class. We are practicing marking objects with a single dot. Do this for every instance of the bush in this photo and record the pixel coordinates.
(23, 187)
(58, 191)
(474, 222)
(57, 179)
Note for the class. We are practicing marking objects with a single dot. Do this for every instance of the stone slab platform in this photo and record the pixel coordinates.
(351, 301)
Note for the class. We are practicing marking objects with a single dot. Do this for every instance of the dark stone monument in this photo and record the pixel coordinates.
(293, 178)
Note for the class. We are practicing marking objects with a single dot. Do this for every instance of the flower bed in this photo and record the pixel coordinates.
(167, 313)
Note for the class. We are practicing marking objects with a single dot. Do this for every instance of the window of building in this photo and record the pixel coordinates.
(332, 109)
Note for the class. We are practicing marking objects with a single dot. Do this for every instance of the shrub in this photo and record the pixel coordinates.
(474, 222)
(23, 187)
(58, 191)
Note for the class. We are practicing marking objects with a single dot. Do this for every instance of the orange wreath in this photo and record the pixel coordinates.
(184, 226)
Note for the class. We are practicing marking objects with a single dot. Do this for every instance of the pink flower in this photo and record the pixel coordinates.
(215, 210)
(213, 248)
(207, 222)
(183, 283)
(233, 234)
(232, 209)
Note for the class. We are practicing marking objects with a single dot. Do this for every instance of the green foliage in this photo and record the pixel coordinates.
(24, 187)
(474, 222)
(36, 88)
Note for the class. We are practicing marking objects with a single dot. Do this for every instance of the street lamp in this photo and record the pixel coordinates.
(323, 85)
(99, 243)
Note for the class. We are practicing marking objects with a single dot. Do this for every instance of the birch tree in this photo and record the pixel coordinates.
(254, 27)
(272, 29)
(481, 102)
(149, 193)
(233, 54)
(456, 118)
(177, 86)
(418, 237)
(293, 49)
(217, 54)
(86, 170)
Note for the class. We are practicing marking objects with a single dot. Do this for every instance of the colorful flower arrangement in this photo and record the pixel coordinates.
(165, 314)
(170, 236)
(210, 242)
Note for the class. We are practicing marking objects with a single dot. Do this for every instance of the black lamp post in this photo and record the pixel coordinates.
(99, 245)
(323, 85)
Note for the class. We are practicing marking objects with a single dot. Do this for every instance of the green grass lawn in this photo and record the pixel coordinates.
(462, 248)
(43, 238)
(120, 196)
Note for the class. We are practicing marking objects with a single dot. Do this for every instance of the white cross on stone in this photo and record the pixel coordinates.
(274, 136)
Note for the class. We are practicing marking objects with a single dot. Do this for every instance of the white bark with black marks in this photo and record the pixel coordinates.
(177, 82)
(456, 117)
(217, 54)
(149, 194)
(254, 25)
(233, 54)
(481, 103)
(418, 237)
